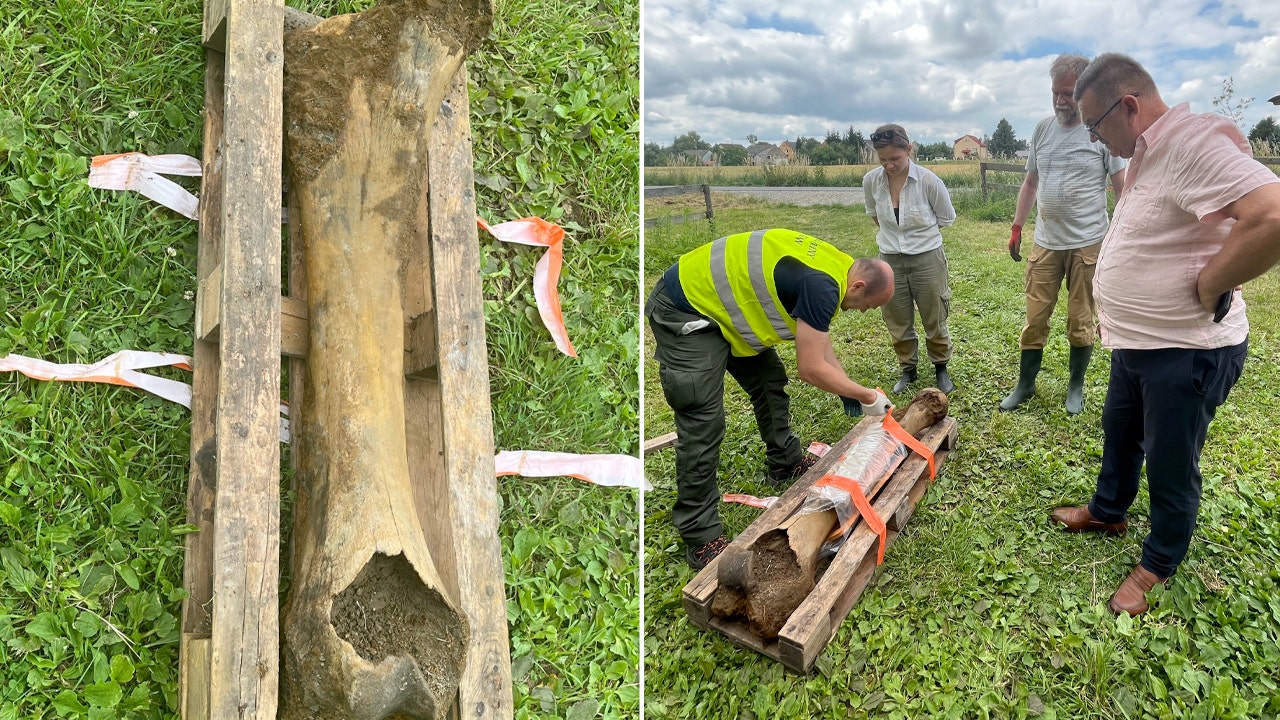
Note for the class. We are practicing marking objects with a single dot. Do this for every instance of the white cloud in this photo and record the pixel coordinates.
(941, 68)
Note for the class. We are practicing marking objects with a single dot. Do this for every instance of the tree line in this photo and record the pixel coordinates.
(852, 148)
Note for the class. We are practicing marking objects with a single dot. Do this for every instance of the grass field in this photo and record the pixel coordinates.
(981, 609)
(93, 478)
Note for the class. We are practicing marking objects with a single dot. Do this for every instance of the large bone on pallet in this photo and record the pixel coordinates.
(369, 628)
(807, 630)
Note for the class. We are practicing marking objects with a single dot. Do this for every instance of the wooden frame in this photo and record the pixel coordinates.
(815, 622)
(229, 658)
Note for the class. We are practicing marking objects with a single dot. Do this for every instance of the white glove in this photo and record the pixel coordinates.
(878, 407)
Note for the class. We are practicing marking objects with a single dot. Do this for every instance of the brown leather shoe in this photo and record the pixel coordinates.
(1132, 595)
(1078, 519)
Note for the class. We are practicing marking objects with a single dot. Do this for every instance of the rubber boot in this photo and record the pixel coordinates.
(1075, 384)
(943, 380)
(908, 376)
(1028, 368)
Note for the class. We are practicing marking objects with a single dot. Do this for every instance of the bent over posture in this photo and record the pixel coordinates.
(722, 307)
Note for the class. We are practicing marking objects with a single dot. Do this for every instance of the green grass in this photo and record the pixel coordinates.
(93, 478)
(981, 609)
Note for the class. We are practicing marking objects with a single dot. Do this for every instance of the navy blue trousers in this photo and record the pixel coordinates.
(1158, 409)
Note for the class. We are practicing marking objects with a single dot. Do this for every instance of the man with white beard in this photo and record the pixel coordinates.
(1067, 179)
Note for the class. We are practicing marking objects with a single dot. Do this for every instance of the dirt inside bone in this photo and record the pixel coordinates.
(388, 611)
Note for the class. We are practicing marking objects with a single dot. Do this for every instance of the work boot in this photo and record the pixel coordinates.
(782, 477)
(1028, 368)
(699, 555)
(942, 379)
(908, 376)
(1075, 385)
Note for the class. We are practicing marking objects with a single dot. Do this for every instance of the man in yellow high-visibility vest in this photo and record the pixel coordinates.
(722, 307)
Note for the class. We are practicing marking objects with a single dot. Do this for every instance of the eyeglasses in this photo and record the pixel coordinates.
(886, 137)
(1093, 129)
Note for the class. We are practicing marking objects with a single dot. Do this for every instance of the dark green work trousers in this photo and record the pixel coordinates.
(693, 362)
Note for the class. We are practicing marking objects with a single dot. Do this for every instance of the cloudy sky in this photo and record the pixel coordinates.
(940, 68)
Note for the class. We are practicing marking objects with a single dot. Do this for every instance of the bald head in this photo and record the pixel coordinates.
(870, 285)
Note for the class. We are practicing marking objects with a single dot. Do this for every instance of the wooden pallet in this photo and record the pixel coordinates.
(816, 621)
(229, 658)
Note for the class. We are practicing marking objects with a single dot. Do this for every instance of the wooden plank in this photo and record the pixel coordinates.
(420, 344)
(1269, 160)
(197, 570)
(293, 327)
(466, 425)
(244, 661)
(657, 192)
(215, 24)
(193, 672)
(659, 443)
(208, 303)
(293, 316)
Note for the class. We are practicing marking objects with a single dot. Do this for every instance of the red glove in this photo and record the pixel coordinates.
(1015, 243)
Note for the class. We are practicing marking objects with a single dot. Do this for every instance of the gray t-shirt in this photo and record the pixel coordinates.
(1071, 197)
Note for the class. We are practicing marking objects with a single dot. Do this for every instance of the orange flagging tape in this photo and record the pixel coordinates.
(607, 470)
(135, 171)
(546, 274)
(750, 500)
(122, 369)
(819, 448)
(893, 428)
(118, 369)
(874, 521)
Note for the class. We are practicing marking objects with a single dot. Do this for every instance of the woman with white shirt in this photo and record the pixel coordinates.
(909, 204)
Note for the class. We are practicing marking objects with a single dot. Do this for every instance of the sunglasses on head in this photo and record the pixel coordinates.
(887, 137)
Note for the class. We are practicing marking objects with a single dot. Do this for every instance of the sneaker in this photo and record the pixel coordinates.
(788, 475)
(699, 556)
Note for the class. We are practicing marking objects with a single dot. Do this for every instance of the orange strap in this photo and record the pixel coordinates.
(860, 501)
(893, 428)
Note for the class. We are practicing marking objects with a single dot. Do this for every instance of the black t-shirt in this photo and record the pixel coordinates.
(808, 294)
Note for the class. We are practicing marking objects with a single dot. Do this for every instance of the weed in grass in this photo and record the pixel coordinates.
(981, 609)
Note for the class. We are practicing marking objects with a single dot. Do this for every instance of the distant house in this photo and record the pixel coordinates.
(789, 148)
(766, 154)
(1022, 154)
(968, 148)
(698, 157)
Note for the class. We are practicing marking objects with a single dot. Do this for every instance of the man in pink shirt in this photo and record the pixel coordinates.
(1198, 217)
